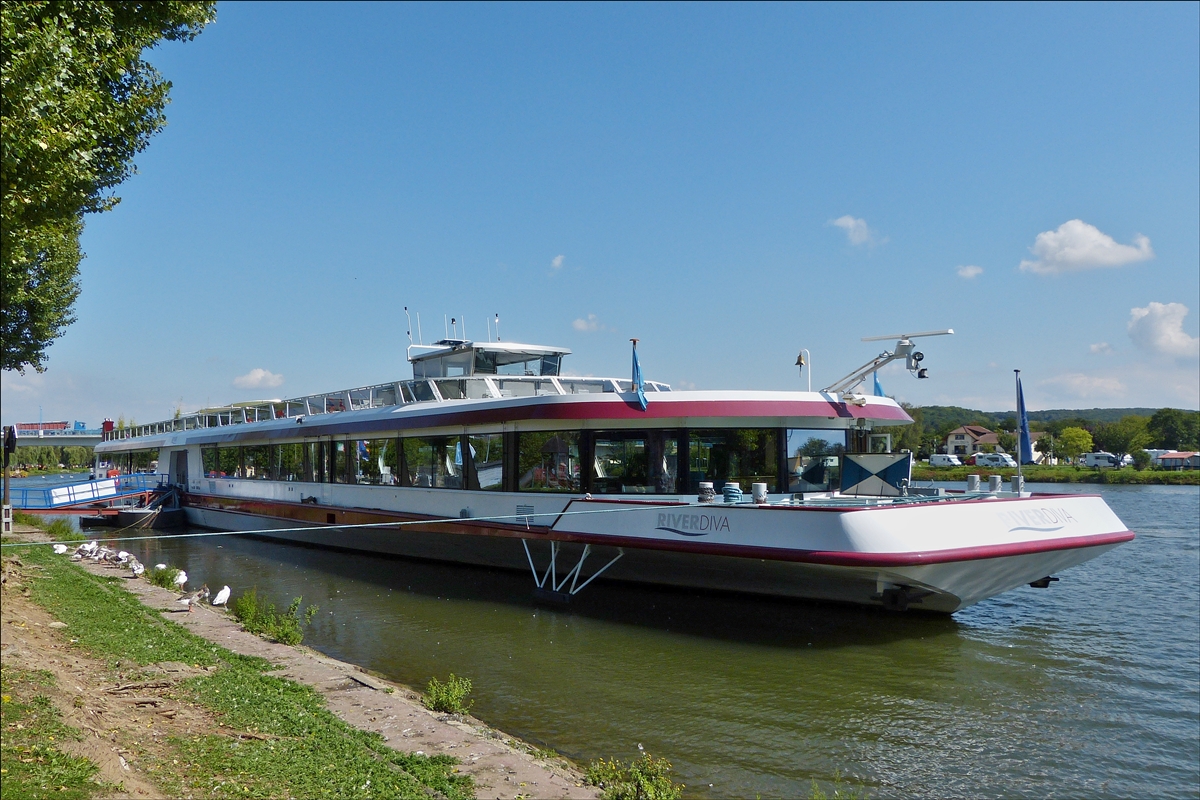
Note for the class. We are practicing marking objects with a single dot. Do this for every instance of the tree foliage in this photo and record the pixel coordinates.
(1073, 442)
(1125, 436)
(1174, 429)
(78, 102)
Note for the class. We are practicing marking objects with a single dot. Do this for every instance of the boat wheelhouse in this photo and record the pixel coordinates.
(490, 455)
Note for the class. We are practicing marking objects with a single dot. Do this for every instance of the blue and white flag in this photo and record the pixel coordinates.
(637, 378)
(878, 386)
(1025, 442)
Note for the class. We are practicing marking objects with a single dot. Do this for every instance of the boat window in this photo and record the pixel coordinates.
(485, 363)
(208, 459)
(258, 462)
(295, 461)
(635, 462)
(377, 462)
(229, 462)
(421, 391)
(143, 460)
(524, 388)
(487, 462)
(745, 456)
(815, 459)
(548, 461)
(583, 386)
(434, 462)
(339, 463)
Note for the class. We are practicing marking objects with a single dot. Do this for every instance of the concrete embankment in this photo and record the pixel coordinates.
(500, 766)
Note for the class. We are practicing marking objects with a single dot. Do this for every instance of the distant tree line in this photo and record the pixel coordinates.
(50, 456)
(1070, 433)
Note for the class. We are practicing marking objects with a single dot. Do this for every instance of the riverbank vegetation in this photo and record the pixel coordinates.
(1060, 474)
(275, 738)
(59, 529)
(449, 696)
(644, 778)
(260, 617)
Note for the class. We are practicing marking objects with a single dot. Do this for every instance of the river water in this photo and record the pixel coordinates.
(1088, 688)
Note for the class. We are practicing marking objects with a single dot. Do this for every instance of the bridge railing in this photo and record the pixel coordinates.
(104, 489)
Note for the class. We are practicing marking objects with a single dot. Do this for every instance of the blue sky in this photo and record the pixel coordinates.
(729, 183)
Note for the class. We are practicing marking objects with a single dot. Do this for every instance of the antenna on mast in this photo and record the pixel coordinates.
(409, 331)
(454, 326)
(420, 338)
(497, 327)
(464, 324)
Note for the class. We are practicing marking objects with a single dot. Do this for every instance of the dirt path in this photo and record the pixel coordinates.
(501, 766)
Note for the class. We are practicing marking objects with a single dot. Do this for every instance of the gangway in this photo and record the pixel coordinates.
(87, 495)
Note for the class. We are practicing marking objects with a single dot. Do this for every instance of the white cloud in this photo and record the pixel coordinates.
(856, 229)
(1077, 246)
(1102, 348)
(970, 271)
(1087, 387)
(589, 324)
(1159, 328)
(557, 262)
(257, 378)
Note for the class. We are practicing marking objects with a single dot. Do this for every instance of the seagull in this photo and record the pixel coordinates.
(136, 567)
(160, 566)
(181, 579)
(222, 598)
(122, 557)
(190, 600)
(59, 549)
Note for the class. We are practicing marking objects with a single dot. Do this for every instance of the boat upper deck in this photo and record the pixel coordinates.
(460, 383)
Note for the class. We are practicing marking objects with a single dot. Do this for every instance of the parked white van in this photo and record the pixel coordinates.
(994, 460)
(1100, 459)
(940, 460)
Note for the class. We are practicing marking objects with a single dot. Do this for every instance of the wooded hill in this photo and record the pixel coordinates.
(946, 418)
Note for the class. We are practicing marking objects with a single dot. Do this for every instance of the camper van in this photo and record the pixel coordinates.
(994, 460)
(1100, 459)
(942, 460)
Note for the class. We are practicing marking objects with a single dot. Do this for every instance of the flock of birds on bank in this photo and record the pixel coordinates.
(102, 554)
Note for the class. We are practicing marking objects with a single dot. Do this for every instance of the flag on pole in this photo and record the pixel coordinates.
(1025, 442)
(878, 386)
(637, 377)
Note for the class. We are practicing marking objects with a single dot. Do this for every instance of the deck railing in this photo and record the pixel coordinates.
(399, 393)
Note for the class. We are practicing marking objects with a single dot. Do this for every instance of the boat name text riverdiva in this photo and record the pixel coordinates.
(692, 524)
(1037, 519)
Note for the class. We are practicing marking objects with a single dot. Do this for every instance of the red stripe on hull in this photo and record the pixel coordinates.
(318, 515)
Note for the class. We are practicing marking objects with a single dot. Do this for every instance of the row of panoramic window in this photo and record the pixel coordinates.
(621, 462)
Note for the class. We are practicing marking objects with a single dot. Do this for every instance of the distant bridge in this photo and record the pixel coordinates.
(67, 438)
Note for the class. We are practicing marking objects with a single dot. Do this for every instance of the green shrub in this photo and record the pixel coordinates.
(261, 617)
(645, 778)
(163, 577)
(448, 697)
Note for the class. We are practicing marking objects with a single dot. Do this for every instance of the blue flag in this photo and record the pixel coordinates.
(1025, 446)
(878, 387)
(637, 378)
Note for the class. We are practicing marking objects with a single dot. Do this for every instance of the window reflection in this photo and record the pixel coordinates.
(434, 462)
(744, 456)
(487, 462)
(548, 461)
(635, 462)
(814, 459)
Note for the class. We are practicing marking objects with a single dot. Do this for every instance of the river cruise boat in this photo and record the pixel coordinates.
(491, 455)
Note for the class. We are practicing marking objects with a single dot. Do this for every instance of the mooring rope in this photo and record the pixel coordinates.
(393, 524)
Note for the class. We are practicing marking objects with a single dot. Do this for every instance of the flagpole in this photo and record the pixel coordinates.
(1020, 402)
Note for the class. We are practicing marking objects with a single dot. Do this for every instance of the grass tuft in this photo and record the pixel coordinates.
(448, 697)
(644, 778)
(33, 766)
(261, 618)
(841, 790)
(163, 577)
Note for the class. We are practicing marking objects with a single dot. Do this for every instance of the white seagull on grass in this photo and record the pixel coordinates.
(181, 579)
(60, 549)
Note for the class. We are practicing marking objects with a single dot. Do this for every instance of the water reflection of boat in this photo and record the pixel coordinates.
(492, 456)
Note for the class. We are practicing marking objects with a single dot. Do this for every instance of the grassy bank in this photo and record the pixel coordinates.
(32, 762)
(1063, 474)
(285, 742)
